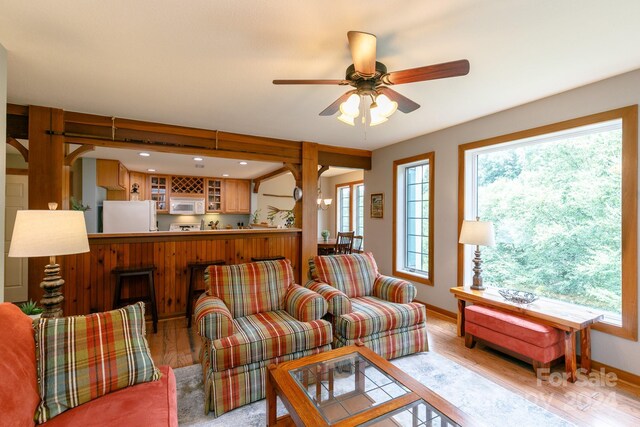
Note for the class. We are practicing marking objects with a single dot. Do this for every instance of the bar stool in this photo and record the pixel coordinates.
(193, 268)
(147, 272)
(267, 258)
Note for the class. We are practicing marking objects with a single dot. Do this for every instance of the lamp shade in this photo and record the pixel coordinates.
(48, 233)
(479, 233)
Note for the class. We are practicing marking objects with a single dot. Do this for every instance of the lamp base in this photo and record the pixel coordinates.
(476, 283)
(52, 298)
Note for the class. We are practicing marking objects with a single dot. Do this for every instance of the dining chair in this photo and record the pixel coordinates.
(344, 242)
(357, 245)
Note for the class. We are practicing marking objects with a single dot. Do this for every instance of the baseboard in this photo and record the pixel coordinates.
(442, 311)
(625, 376)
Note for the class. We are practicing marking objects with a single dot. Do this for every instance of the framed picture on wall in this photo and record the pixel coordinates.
(377, 205)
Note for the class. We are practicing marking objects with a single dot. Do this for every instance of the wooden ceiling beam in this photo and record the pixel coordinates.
(344, 157)
(177, 149)
(295, 169)
(257, 181)
(21, 148)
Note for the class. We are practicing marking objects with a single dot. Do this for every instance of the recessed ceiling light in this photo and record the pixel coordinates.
(198, 159)
(143, 154)
(243, 163)
(225, 174)
(151, 170)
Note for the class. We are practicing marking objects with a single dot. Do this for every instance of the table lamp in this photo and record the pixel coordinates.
(38, 233)
(479, 233)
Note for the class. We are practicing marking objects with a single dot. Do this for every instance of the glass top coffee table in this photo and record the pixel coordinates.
(353, 386)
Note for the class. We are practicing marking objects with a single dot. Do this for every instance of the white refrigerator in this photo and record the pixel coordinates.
(128, 217)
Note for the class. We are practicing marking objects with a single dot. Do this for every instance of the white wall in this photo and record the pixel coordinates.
(3, 151)
(616, 92)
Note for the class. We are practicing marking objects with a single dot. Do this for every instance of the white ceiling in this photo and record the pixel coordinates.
(210, 63)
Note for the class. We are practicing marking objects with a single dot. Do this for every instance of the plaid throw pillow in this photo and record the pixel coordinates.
(81, 358)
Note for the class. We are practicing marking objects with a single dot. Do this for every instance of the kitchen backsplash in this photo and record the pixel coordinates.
(164, 220)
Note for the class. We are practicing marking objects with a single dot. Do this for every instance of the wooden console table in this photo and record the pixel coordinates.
(566, 317)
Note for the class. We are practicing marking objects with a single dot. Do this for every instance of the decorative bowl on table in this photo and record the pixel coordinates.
(518, 297)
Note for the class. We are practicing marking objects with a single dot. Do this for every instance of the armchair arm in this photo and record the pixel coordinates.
(304, 304)
(338, 302)
(393, 289)
(213, 318)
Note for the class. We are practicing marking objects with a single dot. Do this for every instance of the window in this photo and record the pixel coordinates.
(350, 207)
(554, 195)
(413, 218)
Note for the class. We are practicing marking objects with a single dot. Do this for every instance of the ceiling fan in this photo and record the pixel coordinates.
(370, 78)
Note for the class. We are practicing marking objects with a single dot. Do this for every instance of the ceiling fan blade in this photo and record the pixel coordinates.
(311, 82)
(335, 106)
(429, 72)
(363, 52)
(404, 104)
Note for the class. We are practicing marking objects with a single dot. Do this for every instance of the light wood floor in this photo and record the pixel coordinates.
(588, 403)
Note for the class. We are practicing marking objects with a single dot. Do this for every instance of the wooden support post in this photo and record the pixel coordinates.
(308, 205)
(570, 355)
(46, 177)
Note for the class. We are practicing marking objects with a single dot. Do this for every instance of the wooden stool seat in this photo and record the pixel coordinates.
(192, 269)
(147, 272)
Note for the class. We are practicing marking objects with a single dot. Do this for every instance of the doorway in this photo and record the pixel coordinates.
(16, 269)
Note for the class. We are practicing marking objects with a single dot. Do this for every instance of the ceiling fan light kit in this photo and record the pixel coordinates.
(371, 79)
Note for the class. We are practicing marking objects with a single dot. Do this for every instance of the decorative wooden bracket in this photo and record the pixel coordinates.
(73, 156)
(21, 148)
(296, 170)
(322, 170)
(257, 181)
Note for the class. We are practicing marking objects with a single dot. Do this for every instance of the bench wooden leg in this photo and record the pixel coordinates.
(570, 365)
(469, 340)
(539, 367)
(461, 305)
(585, 349)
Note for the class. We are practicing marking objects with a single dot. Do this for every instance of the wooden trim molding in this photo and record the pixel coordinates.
(430, 157)
(629, 116)
(352, 200)
(16, 171)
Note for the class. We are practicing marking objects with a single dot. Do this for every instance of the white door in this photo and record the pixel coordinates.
(15, 269)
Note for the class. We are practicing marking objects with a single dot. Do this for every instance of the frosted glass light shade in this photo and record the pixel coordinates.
(346, 119)
(376, 119)
(48, 233)
(386, 107)
(351, 107)
(479, 233)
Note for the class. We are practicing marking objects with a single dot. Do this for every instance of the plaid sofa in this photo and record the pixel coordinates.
(253, 315)
(367, 307)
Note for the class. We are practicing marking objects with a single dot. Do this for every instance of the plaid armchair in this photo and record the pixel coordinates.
(253, 315)
(365, 306)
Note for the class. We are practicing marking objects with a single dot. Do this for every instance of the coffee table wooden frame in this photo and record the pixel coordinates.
(566, 317)
(302, 412)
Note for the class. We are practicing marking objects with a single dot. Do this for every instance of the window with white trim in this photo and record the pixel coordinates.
(350, 207)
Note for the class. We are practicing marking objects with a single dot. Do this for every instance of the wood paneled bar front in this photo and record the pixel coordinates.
(89, 285)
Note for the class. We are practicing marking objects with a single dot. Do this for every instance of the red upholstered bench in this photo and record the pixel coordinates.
(539, 343)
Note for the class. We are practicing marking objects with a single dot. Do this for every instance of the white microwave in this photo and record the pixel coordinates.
(186, 206)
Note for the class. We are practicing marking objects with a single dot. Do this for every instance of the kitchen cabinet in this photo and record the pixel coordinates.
(140, 179)
(237, 197)
(112, 175)
(159, 190)
(215, 195)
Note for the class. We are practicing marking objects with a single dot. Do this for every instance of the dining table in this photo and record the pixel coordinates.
(325, 247)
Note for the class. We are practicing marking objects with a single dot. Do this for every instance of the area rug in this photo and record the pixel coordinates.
(487, 402)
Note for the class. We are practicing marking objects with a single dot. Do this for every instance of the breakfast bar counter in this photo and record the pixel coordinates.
(90, 285)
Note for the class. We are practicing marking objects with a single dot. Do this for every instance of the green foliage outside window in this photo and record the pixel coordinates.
(556, 207)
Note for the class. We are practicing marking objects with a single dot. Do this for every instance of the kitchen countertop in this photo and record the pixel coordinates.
(195, 233)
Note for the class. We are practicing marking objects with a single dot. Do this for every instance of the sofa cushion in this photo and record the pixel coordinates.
(81, 358)
(513, 326)
(352, 274)
(263, 336)
(149, 404)
(250, 288)
(18, 378)
(372, 315)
